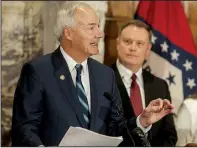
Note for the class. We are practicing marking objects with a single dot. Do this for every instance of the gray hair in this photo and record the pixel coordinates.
(65, 16)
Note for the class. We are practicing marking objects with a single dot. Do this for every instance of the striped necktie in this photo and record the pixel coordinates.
(82, 95)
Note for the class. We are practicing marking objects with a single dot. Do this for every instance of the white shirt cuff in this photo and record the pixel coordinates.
(145, 130)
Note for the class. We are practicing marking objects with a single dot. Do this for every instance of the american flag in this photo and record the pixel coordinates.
(173, 56)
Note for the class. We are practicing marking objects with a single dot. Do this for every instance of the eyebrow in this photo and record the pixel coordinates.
(126, 38)
(92, 24)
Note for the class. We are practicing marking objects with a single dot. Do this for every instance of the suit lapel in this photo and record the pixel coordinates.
(127, 107)
(93, 94)
(148, 90)
(66, 83)
(147, 86)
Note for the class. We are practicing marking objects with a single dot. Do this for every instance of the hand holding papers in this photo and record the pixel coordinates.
(77, 136)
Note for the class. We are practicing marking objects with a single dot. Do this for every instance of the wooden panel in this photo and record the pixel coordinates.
(111, 53)
(121, 8)
(192, 12)
(194, 32)
(192, 18)
(118, 13)
(112, 26)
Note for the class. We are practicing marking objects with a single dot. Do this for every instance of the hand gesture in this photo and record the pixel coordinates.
(155, 111)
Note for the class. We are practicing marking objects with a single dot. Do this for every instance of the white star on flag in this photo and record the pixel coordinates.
(153, 39)
(164, 47)
(174, 55)
(191, 83)
(187, 65)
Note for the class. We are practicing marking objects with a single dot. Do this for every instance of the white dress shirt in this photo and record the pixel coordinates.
(84, 74)
(126, 75)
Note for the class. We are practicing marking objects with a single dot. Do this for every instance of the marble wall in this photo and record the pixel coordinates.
(22, 40)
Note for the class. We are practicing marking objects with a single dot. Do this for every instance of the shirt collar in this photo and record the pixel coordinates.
(71, 62)
(127, 73)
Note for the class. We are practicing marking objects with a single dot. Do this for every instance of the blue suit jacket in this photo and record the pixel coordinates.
(45, 106)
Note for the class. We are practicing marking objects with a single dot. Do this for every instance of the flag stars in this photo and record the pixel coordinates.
(191, 83)
(174, 55)
(153, 39)
(171, 78)
(188, 65)
(164, 47)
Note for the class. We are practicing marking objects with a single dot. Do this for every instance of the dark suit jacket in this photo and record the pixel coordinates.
(163, 132)
(45, 106)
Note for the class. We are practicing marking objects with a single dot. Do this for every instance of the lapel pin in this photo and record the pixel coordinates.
(62, 77)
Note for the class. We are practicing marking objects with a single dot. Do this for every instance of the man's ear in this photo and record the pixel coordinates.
(148, 50)
(67, 33)
(117, 42)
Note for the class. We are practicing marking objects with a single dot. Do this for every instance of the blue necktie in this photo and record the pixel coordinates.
(82, 95)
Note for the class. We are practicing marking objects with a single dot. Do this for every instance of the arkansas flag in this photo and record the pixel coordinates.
(174, 56)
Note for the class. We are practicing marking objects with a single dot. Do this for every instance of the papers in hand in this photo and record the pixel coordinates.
(77, 136)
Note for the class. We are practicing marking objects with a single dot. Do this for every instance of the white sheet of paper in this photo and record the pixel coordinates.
(77, 136)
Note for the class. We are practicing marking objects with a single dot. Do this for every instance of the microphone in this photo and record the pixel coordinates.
(109, 97)
(137, 132)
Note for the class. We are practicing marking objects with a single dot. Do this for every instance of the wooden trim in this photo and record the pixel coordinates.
(118, 19)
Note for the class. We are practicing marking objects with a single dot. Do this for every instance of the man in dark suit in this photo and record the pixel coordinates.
(66, 88)
(138, 87)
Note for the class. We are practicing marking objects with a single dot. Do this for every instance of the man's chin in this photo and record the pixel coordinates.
(94, 51)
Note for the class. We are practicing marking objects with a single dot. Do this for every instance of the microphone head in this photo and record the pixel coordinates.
(108, 96)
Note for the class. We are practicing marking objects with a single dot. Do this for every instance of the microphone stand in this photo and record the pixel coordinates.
(125, 125)
(137, 132)
(120, 113)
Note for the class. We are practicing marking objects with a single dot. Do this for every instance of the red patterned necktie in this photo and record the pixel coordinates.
(135, 96)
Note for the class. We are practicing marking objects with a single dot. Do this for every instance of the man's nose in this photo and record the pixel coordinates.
(132, 46)
(100, 34)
